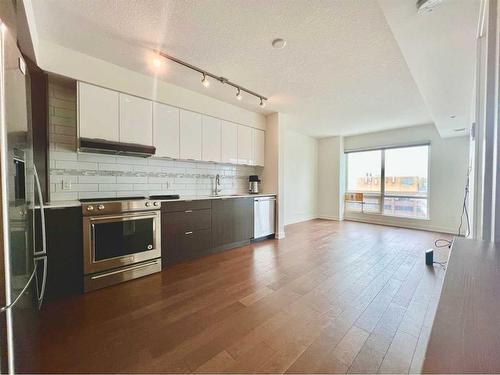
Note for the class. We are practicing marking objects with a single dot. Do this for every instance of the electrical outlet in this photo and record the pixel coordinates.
(66, 184)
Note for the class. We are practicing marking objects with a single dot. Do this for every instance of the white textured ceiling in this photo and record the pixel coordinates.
(440, 49)
(342, 71)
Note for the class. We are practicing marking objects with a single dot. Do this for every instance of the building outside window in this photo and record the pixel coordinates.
(391, 181)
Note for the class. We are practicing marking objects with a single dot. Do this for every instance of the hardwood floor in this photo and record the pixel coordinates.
(330, 297)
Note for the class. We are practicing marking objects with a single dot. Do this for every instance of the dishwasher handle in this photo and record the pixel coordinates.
(265, 199)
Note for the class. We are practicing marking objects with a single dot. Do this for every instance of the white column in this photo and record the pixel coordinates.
(331, 178)
(273, 174)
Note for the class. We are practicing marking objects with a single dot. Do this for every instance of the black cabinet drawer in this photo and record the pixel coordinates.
(187, 245)
(188, 220)
(176, 206)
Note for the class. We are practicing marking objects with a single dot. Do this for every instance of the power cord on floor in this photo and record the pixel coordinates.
(465, 210)
(442, 242)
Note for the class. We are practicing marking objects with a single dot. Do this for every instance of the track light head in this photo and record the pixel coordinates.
(262, 103)
(156, 62)
(204, 81)
(238, 94)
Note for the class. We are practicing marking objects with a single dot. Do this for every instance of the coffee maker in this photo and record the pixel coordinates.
(253, 184)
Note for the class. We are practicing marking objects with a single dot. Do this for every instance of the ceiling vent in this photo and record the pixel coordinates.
(427, 5)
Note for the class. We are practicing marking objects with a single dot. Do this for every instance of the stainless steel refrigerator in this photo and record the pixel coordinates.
(23, 268)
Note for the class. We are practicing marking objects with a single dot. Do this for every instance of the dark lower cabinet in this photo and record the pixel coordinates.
(186, 230)
(232, 222)
(186, 246)
(183, 206)
(64, 252)
(186, 221)
(196, 228)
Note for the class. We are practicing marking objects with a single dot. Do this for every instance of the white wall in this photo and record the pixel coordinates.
(448, 170)
(301, 177)
(331, 177)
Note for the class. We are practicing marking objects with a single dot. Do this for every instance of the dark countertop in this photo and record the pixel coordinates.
(76, 203)
(465, 335)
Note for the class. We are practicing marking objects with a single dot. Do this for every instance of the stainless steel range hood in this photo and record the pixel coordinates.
(102, 146)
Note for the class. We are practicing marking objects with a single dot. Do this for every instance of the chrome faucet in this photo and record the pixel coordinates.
(217, 188)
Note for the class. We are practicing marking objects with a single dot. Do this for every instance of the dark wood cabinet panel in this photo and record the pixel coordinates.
(183, 221)
(196, 228)
(183, 246)
(176, 206)
(186, 234)
(232, 221)
(64, 252)
(39, 105)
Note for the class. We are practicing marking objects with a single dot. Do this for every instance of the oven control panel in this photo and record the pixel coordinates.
(112, 207)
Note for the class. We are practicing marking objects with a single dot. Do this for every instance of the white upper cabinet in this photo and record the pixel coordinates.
(166, 130)
(136, 120)
(175, 133)
(190, 135)
(211, 139)
(98, 112)
(229, 143)
(258, 147)
(245, 145)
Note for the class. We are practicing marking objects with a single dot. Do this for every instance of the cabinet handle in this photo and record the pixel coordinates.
(188, 211)
(188, 233)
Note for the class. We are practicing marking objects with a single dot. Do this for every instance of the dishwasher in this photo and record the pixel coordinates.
(263, 216)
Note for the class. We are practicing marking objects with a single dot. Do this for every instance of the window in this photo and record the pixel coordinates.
(365, 177)
(390, 181)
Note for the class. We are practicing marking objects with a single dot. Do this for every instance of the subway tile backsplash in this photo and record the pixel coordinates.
(75, 175)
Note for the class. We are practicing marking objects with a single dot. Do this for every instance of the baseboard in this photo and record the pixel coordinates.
(429, 228)
(327, 217)
(279, 235)
(269, 237)
(300, 219)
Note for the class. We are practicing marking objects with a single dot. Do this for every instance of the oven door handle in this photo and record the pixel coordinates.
(124, 216)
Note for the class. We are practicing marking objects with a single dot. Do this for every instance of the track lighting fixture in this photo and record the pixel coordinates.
(205, 82)
(156, 62)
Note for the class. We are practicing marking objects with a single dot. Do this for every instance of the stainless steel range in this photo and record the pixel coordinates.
(121, 240)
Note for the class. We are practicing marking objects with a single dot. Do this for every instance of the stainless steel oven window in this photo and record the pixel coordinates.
(116, 219)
